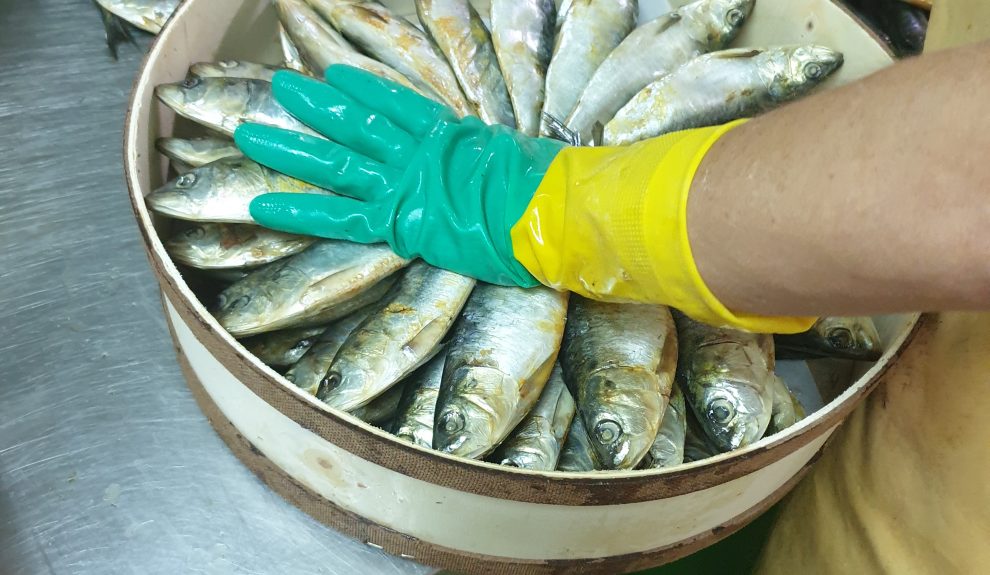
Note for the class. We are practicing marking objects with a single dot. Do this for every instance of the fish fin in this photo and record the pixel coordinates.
(426, 341)
(598, 134)
(117, 30)
(559, 131)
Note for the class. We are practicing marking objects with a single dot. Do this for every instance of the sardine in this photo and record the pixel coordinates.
(522, 33)
(652, 51)
(208, 245)
(500, 357)
(616, 360)
(393, 40)
(290, 53)
(668, 447)
(537, 441)
(234, 69)
(461, 36)
(308, 372)
(222, 191)
(786, 411)
(381, 410)
(578, 455)
(590, 30)
(196, 152)
(148, 15)
(222, 104)
(696, 444)
(403, 333)
(720, 87)
(727, 379)
(299, 290)
(414, 417)
(283, 348)
(837, 337)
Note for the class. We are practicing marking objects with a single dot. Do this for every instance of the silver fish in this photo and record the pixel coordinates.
(727, 379)
(578, 455)
(381, 410)
(320, 46)
(614, 358)
(403, 333)
(148, 15)
(697, 446)
(720, 87)
(290, 53)
(308, 372)
(499, 359)
(222, 191)
(522, 33)
(223, 104)
(458, 31)
(282, 348)
(234, 69)
(668, 448)
(536, 443)
(838, 337)
(414, 418)
(652, 51)
(209, 245)
(589, 31)
(196, 152)
(786, 411)
(300, 290)
(395, 41)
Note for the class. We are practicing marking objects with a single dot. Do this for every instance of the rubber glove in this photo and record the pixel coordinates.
(409, 172)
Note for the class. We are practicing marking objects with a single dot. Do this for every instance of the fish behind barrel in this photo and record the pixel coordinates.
(283, 348)
(307, 373)
(536, 443)
(577, 454)
(854, 338)
(212, 245)
(196, 152)
(414, 417)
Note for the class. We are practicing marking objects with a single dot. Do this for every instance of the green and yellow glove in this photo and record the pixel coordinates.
(487, 201)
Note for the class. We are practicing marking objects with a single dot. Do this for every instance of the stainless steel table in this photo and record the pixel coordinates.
(106, 463)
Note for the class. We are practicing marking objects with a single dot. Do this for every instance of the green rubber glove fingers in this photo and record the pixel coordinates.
(409, 172)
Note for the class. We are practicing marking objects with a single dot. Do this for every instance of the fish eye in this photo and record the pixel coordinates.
(195, 233)
(290, 377)
(735, 17)
(329, 383)
(240, 302)
(186, 180)
(227, 63)
(607, 432)
(191, 82)
(222, 301)
(813, 71)
(721, 411)
(302, 344)
(452, 421)
(840, 338)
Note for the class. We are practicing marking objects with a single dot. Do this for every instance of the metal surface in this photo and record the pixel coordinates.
(106, 463)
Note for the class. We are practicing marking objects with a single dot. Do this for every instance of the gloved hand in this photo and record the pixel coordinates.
(409, 171)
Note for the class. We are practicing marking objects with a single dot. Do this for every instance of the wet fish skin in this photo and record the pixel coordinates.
(148, 15)
(786, 411)
(303, 289)
(853, 338)
(290, 53)
(222, 191)
(499, 358)
(380, 411)
(222, 104)
(459, 33)
(536, 443)
(402, 334)
(210, 245)
(589, 31)
(522, 34)
(196, 152)
(414, 417)
(727, 379)
(668, 448)
(652, 51)
(283, 348)
(720, 87)
(234, 69)
(308, 372)
(613, 356)
(578, 455)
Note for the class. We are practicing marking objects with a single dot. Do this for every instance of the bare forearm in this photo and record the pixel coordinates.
(868, 199)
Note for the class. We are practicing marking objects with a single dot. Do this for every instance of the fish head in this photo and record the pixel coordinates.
(215, 102)
(621, 408)
(804, 68)
(248, 306)
(853, 338)
(182, 197)
(193, 244)
(477, 413)
(721, 20)
(352, 379)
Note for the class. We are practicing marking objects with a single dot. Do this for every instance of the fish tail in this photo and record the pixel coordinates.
(116, 29)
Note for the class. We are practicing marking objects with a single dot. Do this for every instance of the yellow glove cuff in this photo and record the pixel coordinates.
(611, 224)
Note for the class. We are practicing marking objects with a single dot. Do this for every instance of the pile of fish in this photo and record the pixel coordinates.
(527, 378)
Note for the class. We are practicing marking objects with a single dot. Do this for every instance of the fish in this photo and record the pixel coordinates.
(536, 443)
(589, 31)
(403, 333)
(303, 289)
(499, 359)
(283, 348)
(148, 15)
(414, 417)
(696, 443)
(380, 411)
(578, 455)
(234, 69)
(290, 53)
(853, 338)
(668, 448)
(196, 152)
(222, 191)
(222, 104)
(458, 31)
(727, 379)
(209, 245)
(395, 41)
(307, 373)
(522, 34)
(652, 51)
(786, 411)
(720, 87)
(321, 46)
(616, 360)
(116, 30)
